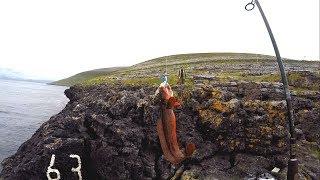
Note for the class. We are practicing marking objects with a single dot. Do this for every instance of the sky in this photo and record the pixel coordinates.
(56, 39)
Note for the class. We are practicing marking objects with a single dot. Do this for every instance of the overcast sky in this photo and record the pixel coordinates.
(55, 39)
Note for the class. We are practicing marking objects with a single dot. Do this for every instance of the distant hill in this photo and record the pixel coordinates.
(224, 65)
(83, 76)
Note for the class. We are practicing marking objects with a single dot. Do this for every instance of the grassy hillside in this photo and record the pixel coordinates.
(84, 76)
(221, 66)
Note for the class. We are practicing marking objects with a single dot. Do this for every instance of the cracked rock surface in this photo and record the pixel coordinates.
(239, 129)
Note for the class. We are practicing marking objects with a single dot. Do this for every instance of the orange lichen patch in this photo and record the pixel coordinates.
(276, 109)
(265, 130)
(219, 106)
(222, 107)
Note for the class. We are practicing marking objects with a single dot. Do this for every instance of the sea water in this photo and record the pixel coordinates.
(24, 106)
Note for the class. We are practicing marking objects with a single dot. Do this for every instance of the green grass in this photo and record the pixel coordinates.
(147, 81)
(148, 72)
(229, 76)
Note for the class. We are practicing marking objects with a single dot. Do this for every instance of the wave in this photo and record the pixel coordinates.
(4, 112)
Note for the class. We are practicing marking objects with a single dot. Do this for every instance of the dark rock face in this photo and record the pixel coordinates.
(239, 130)
(245, 124)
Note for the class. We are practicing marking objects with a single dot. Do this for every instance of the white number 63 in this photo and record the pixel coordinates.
(56, 171)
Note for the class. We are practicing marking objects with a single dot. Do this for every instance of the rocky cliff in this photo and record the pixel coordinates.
(239, 128)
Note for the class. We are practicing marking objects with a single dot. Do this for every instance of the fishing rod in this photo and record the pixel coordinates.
(293, 162)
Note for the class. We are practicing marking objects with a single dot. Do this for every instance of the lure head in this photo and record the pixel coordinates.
(164, 80)
(164, 88)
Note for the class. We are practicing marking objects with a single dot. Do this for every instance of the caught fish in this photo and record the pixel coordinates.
(167, 129)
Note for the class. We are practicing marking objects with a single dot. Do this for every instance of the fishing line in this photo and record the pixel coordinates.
(166, 66)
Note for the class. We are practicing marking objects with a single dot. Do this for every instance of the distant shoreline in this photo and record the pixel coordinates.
(27, 80)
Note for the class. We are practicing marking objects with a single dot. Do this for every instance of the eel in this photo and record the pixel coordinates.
(166, 128)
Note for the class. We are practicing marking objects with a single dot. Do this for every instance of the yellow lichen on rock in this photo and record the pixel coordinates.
(208, 115)
(252, 104)
(217, 121)
(221, 107)
(205, 115)
(189, 175)
(216, 93)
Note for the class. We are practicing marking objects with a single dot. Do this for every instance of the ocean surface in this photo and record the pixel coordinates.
(24, 106)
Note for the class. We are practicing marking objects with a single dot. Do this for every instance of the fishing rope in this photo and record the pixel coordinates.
(166, 66)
